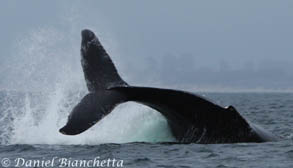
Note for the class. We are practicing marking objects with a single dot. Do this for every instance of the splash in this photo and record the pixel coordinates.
(127, 123)
(51, 83)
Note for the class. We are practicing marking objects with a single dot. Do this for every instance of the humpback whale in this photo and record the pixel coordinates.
(191, 118)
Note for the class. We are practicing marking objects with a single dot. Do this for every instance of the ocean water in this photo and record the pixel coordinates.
(45, 67)
(135, 135)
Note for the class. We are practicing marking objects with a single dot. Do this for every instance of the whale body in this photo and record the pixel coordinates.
(191, 118)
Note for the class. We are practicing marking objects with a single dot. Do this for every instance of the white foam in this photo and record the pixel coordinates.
(129, 122)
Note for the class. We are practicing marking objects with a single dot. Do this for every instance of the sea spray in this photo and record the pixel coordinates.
(129, 122)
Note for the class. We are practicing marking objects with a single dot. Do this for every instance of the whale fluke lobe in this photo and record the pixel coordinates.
(92, 108)
(99, 70)
(192, 119)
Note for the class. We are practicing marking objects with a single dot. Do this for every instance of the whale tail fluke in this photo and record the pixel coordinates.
(100, 74)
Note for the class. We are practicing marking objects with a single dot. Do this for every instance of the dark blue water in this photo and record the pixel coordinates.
(33, 140)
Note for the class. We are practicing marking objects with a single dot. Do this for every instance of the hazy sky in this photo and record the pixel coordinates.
(237, 44)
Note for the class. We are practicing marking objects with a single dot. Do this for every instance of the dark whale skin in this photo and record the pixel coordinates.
(192, 119)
